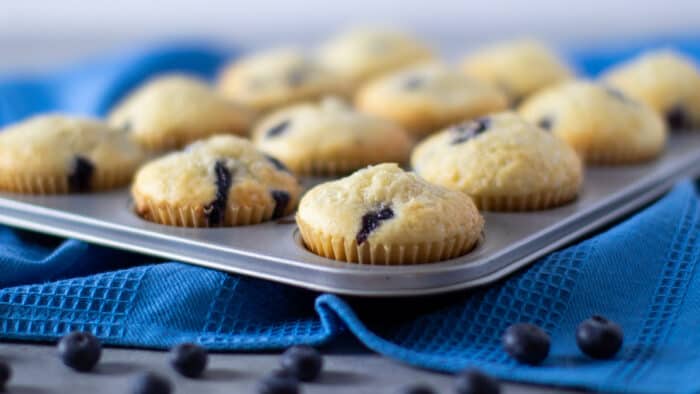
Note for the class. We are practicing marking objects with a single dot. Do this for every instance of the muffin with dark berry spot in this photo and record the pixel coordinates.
(426, 98)
(171, 111)
(361, 54)
(330, 138)
(383, 215)
(275, 78)
(600, 122)
(503, 162)
(519, 67)
(221, 181)
(52, 154)
(666, 81)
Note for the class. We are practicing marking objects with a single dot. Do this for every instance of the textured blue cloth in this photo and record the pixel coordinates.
(640, 273)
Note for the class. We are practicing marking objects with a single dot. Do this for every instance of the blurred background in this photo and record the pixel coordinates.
(36, 34)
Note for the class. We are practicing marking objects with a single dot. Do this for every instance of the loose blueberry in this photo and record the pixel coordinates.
(189, 359)
(5, 375)
(278, 164)
(371, 220)
(417, 389)
(80, 350)
(216, 210)
(526, 343)
(80, 175)
(277, 129)
(473, 381)
(278, 385)
(282, 199)
(151, 383)
(304, 362)
(599, 337)
(546, 123)
(413, 83)
(676, 118)
(466, 131)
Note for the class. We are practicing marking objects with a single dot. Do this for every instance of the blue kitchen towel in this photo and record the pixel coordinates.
(640, 273)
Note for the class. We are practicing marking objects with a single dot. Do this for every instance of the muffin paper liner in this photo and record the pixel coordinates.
(58, 184)
(343, 249)
(330, 167)
(530, 202)
(195, 216)
(620, 156)
(165, 142)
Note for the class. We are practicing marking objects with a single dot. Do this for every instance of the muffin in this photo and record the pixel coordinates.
(52, 154)
(221, 181)
(503, 162)
(384, 216)
(426, 98)
(268, 80)
(173, 110)
(602, 124)
(330, 138)
(666, 81)
(363, 53)
(519, 67)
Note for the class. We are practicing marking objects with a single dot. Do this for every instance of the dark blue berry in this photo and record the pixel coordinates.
(282, 374)
(189, 359)
(676, 118)
(466, 131)
(282, 199)
(473, 381)
(216, 210)
(5, 375)
(413, 83)
(151, 383)
(546, 123)
(277, 129)
(526, 343)
(599, 338)
(371, 220)
(80, 350)
(80, 177)
(278, 164)
(304, 362)
(616, 93)
(278, 385)
(418, 388)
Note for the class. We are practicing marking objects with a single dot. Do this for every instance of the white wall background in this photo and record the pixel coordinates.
(36, 33)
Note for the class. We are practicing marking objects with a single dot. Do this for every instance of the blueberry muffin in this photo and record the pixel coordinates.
(503, 162)
(426, 98)
(272, 79)
(602, 124)
(364, 53)
(221, 181)
(330, 138)
(384, 216)
(519, 67)
(52, 154)
(173, 110)
(666, 81)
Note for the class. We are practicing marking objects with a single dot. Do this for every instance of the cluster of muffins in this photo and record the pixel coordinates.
(509, 129)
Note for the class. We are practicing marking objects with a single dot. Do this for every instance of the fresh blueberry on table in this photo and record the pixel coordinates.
(80, 350)
(274, 384)
(151, 383)
(473, 381)
(526, 343)
(418, 388)
(599, 337)
(189, 359)
(5, 375)
(304, 362)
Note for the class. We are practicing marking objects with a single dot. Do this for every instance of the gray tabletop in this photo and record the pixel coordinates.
(37, 370)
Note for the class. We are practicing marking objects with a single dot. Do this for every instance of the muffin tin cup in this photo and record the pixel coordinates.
(273, 250)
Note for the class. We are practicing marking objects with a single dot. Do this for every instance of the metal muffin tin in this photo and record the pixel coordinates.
(274, 251)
